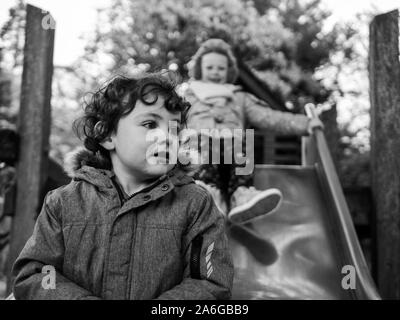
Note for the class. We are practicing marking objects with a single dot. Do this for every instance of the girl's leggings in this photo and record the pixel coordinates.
(222, 176)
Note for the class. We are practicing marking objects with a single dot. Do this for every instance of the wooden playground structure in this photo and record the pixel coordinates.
(36, 173)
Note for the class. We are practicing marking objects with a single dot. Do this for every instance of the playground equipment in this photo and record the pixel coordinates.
(317, 250)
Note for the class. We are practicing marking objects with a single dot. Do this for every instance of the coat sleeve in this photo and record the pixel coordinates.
(260, 115)
(208, 266)
(44, 251)
(194, 101)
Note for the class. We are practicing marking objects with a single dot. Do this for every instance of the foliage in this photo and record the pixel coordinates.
(11, 56)
(12, 37)
(283, 41)
(354, 163)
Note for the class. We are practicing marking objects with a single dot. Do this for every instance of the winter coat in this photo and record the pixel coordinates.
(166, 241)
(219, 106)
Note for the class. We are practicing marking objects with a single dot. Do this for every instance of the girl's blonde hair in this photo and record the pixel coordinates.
(216, 46)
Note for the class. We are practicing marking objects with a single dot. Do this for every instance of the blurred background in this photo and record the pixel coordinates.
(303, 51)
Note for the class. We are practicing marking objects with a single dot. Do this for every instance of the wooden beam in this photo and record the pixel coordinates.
(34, 127)
(251, 83)
(384, 75)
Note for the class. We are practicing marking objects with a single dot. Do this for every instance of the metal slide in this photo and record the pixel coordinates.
(300, 250)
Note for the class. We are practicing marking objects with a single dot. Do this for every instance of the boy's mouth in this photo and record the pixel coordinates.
(162, 154)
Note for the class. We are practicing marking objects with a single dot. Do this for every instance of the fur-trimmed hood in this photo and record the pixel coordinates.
(82, 164)
(81, 157)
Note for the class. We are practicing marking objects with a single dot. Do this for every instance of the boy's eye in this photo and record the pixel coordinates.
(149, 124)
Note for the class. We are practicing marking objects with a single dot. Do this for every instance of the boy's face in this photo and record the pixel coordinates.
(214, 68)
(132, 150)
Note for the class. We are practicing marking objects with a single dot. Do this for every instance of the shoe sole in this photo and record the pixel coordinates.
(263, 204)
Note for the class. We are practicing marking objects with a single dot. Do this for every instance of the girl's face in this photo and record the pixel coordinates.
(214, 68)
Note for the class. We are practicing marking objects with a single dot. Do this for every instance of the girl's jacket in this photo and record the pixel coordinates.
(226, 106)
(167, 241)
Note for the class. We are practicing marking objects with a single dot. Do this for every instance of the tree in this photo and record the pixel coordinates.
(11, 59)
(12, 37)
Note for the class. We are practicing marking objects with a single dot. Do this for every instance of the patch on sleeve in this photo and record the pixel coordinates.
(208, 259)
(195, 257)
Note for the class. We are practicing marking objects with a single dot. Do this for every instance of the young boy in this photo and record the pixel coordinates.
(130, 225)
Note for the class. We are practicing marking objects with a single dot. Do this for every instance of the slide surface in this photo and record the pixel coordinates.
(296, 252)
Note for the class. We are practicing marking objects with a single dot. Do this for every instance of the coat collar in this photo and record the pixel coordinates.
(156, 190)
(94, 169)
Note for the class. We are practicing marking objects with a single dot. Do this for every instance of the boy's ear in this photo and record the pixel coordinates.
(108, 144)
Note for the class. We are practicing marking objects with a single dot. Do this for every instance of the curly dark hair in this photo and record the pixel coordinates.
(118, 98)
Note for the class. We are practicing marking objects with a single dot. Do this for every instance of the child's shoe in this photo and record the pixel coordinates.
(250, 203)
(216, 194)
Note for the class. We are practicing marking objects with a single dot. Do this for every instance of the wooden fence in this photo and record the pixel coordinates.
(384, 75)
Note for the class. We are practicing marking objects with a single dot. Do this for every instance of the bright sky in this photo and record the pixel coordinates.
(77, 17)
(346, 9)
(73, 19)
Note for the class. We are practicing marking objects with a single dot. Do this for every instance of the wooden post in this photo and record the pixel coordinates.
(34, 126)
(384, 75)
